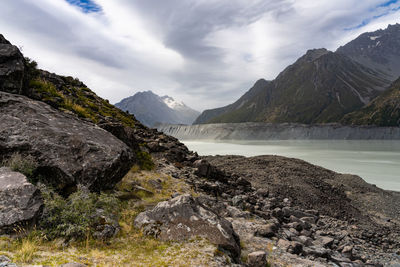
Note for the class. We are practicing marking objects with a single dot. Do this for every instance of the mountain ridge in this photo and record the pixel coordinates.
(151, 109)
(320, 87)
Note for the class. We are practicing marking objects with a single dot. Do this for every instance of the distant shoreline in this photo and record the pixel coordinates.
(280, 131)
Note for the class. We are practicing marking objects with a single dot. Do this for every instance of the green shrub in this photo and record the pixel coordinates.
(46, 88)
(23, 164)
(145, 161)
(74, 217)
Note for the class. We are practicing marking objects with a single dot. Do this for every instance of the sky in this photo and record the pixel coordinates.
(205, 52)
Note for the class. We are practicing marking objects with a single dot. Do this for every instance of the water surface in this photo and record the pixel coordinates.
(377, 162)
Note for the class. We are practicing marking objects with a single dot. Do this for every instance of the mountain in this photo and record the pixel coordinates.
(151, 109)
(242, 116)
(382, 111)
(321, 86)
(379, 50)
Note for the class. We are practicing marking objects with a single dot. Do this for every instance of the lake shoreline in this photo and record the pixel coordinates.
(377, 162)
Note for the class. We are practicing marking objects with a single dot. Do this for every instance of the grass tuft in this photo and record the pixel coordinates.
(23, 164)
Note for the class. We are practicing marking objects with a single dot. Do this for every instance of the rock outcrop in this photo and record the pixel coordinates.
(69, 151)
(184, 217)
(11, 67)
(20, 200)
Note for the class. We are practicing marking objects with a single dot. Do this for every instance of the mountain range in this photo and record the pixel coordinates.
(324, 86)
(151, 109)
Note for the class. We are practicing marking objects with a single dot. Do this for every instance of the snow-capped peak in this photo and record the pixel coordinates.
(172, 103)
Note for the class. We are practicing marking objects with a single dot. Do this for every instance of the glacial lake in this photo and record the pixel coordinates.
(377, 162)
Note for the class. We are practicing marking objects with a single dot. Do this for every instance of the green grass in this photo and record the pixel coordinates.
(77, 99)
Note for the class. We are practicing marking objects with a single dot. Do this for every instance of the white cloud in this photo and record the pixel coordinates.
(204, 52)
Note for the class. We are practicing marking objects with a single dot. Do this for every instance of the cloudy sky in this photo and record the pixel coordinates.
(204, 52)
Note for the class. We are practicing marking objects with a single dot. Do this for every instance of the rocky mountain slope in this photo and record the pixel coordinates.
(382, 111)
(257, 88)
(377, 50)
(321, 86)
(151, 109)
(171, 208)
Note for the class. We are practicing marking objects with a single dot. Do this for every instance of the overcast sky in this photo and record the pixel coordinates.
(204, 52)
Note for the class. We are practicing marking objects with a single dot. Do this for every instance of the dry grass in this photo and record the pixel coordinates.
(130, 247)
(26, 251)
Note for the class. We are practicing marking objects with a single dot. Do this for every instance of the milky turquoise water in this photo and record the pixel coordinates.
(377, 162)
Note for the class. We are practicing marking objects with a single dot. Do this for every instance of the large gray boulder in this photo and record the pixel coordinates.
(69, 151)
(20, 201)
(183, 217)
(11, 67)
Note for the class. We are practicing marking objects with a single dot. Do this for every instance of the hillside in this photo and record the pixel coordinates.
(257, 88)
(382, 111)
(377, 50)
(151, 109)
(320, 87)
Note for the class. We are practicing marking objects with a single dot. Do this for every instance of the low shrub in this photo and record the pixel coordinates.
(76, 216)
(145, 161)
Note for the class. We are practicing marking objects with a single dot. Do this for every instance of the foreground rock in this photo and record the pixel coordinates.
(184, 217)
(69, 151)
(11, 67)
(21, 202)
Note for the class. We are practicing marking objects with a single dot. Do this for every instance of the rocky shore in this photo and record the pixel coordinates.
(283, 131)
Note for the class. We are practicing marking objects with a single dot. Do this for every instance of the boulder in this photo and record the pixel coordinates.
(203, 167)
(12, 67)
(20, 201)
(317, 251)
(183, 217)
(69, 151)
(268, 230)
(257, 259)
(325, 241)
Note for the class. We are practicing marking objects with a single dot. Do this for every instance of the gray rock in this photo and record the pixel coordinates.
(306, 241)
(257, 259)
(325, 241)
(2, 257)
(20, 201)
(317, 251)
(296, 213)
(310, 220)
(348, 251)
(203, 167)
(69, 151)
(290, 246)
(268, 230)
(73, 264)
(184, 217)
(11, 67)
(6, 262)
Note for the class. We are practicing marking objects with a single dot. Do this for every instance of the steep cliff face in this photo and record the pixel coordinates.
(151, 109)
(320, 87)
(382, 111)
